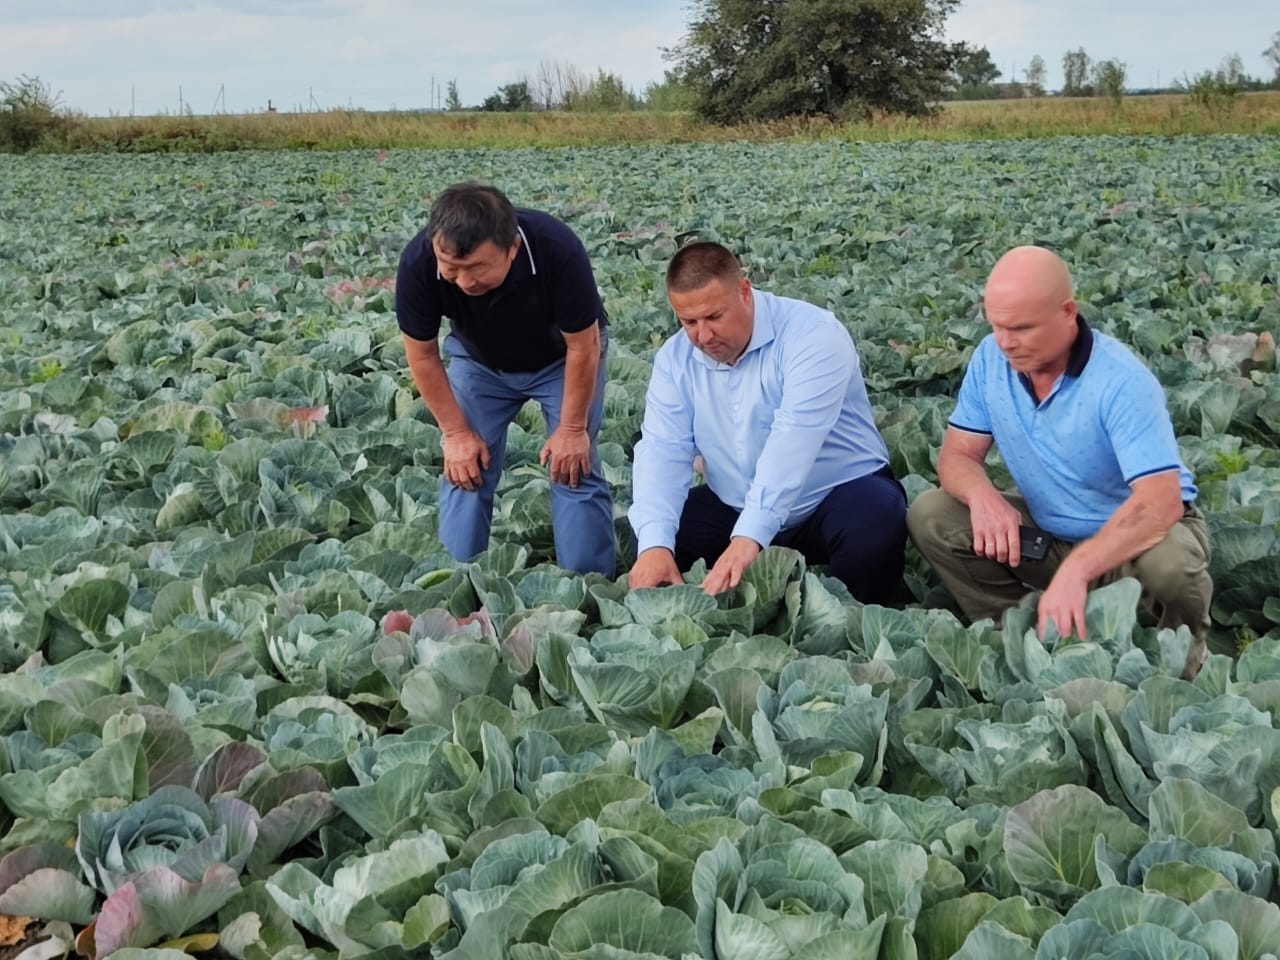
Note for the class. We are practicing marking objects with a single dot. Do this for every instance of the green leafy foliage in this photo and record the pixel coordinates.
(815, 57)
(246, 695)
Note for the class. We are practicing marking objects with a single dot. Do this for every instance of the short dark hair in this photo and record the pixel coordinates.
(466, 215)
(697, 264)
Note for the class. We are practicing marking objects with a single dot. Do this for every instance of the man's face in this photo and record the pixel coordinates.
(718, 318)
(1035, 335)
(481, 270)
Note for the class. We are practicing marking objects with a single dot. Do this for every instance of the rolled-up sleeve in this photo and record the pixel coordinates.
(663, 467)
(815, 377)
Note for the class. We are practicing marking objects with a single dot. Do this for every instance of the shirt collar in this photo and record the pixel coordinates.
(1081, 351)
(762, 334)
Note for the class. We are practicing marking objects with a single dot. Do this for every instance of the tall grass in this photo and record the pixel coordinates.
(1169, 115)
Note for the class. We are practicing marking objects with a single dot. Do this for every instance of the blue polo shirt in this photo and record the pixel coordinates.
(517, 326)
(1075, 454)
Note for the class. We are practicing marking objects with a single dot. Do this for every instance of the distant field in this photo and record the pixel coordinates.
(1171, 115)
(230, 644)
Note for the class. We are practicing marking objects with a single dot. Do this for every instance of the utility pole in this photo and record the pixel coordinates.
(179, 99)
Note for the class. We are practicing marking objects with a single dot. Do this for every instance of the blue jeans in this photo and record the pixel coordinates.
(859, 530)
(581, 517)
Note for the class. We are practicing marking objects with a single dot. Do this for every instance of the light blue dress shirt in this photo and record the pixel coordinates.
(778, 430)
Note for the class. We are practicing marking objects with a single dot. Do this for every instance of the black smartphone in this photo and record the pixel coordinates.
(1034, 543)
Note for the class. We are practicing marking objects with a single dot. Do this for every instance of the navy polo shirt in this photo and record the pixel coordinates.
(517, 326)
(1074, 454)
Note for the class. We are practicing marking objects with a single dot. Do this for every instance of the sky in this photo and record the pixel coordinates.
(161, 56)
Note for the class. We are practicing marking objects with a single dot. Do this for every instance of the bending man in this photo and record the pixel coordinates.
(526, 324)
(1083, 427)
(769, 392)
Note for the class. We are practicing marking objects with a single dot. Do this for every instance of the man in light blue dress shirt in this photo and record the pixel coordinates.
(769, 392)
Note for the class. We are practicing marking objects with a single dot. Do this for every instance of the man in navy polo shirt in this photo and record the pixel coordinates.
(526, 323)
(1083, 427)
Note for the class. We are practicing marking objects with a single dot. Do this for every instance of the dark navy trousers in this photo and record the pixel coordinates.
(859, 531)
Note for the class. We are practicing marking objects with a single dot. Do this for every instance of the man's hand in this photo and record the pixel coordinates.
(466, 456)
(1063, 603)
(655, 567)
(733, 563)
(995, 528)
(567, 454)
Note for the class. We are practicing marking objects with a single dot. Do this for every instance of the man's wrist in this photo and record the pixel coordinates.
(1076, 567)
(653, 537)
(984, 493)
(756, 527)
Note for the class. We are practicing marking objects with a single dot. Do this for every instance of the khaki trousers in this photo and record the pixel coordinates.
(1176, 587)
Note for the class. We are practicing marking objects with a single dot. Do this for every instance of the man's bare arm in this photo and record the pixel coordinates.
(962, 471)
(567, 452)
(466, 454)
(1142, 521)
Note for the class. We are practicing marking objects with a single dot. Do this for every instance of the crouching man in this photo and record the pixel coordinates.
(1084, 430)
(769, 392)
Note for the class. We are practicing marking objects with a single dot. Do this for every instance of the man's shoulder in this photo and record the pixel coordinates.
(418, 251)
(1115, 373)
(799, 320)
(1114, 353)
(789, 308)
(544, 229)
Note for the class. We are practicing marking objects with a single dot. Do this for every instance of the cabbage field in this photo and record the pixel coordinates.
(249, 709)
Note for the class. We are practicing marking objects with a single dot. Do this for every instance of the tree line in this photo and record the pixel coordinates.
(564, 86)
(748, 60)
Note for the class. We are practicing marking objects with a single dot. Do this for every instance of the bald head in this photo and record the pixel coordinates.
(1032, 310)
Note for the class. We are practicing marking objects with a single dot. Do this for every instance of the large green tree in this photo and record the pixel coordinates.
(762, 59)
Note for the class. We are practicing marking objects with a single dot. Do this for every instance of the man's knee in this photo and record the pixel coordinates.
(865, 537)
(935, 517)
(1175, 571)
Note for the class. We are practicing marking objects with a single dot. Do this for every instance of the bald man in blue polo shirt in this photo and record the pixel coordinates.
(526, 323)
(769, 391)
(1083, 427)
